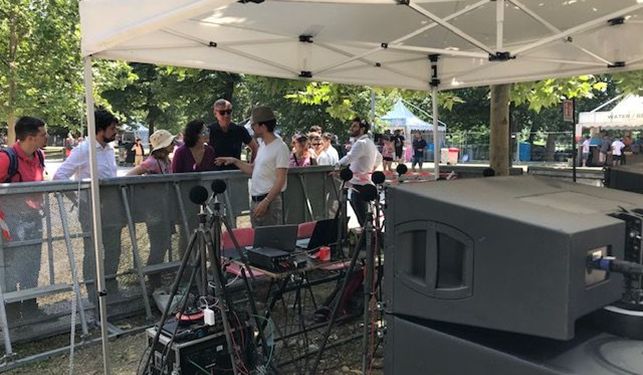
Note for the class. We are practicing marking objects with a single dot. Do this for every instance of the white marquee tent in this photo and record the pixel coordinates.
(401, 117)
(627, 114)
(413, 44)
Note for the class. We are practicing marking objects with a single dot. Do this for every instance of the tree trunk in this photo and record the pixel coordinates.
(550, 147)
(150, 127)
(499, 150)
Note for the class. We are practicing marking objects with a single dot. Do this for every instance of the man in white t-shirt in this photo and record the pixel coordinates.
(268, 171)
(617, 151)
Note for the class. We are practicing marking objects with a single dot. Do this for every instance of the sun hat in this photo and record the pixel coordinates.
(161, 139)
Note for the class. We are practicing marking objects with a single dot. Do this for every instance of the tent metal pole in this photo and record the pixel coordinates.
(96, 218)
(436, 132)
(598, 22)
(500, 20)
(435, 82)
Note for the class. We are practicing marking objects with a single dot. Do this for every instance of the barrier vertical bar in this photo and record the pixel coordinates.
(72, 262)
(177, 190)
(50, 246)
(137, 260)
(309, 206)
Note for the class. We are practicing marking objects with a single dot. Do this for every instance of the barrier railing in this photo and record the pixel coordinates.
(46, 252)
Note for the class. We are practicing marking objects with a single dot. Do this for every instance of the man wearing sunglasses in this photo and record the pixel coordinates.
(227, 137)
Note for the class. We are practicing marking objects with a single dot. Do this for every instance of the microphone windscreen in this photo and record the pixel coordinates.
(378, 177)
(346, 174)
(198, 195)
(218, 186)
(368, 193)
(401, 169)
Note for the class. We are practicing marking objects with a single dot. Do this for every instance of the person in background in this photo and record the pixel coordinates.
(419, 145)
(398, 143)
(78, 165)
(139, 152)
(617, 151)
(585, 150)
(329, 149)
(195, 155)
(388, 151)
(268, 170)
(159, 230)
(606, 143)
(227, 137)
(23, 216)
(318, 148)
(69, 145)
(301, 155)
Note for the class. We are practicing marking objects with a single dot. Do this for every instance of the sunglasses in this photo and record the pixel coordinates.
(224, 112)
(204, 132)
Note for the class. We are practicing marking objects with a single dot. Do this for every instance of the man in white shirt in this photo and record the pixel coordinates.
(77, 166)
(362, 159)
(268, 171)
(617, 151)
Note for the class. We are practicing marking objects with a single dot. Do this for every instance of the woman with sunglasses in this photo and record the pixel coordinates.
(195, 155)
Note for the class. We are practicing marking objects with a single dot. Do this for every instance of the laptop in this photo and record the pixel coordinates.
(325, 233)
(281, 237)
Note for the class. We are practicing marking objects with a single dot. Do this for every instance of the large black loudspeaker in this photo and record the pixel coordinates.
(505, 253)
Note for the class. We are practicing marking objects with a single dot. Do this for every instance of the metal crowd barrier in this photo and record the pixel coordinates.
(49, 235)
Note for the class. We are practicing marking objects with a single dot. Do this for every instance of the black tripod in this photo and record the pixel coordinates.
(218, 219)
(199, 247)
(368, 194)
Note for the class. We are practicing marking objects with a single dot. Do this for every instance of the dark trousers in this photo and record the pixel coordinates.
(359, 205)
(112, 246)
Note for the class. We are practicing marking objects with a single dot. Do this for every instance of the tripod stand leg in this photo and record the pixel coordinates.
(175, 288)
(368, 285)
(333, 316)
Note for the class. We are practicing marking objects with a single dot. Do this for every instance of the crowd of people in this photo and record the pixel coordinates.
(603, 149)
(212, 147)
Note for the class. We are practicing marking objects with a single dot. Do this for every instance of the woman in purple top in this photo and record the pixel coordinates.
(194, 155)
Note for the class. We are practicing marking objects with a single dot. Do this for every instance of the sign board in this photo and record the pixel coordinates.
(568, 111)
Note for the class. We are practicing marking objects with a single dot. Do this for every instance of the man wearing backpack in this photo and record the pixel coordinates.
(24, 161)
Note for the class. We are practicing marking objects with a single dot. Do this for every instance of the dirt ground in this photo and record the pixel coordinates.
(126, 353)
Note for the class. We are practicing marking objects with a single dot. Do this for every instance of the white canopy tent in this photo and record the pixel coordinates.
(401, 117)
(413, 44)
(627, 114)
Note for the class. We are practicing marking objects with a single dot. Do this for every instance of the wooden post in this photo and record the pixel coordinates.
(499, 150)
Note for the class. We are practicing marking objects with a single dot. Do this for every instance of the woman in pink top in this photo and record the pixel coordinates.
(387, 154)
(158, 162)
(159, 231)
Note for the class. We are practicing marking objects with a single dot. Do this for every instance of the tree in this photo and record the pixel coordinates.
(40, 72)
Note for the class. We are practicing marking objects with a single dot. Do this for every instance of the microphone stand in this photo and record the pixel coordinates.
(199, 244)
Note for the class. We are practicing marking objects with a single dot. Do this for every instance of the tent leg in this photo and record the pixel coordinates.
(96, 211)
(435, 82)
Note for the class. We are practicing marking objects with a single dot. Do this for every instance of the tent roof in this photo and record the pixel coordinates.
(627, 114)
(400, 115)
(372, 42)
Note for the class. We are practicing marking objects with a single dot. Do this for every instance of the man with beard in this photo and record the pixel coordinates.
(77, 164)
(362, 159)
